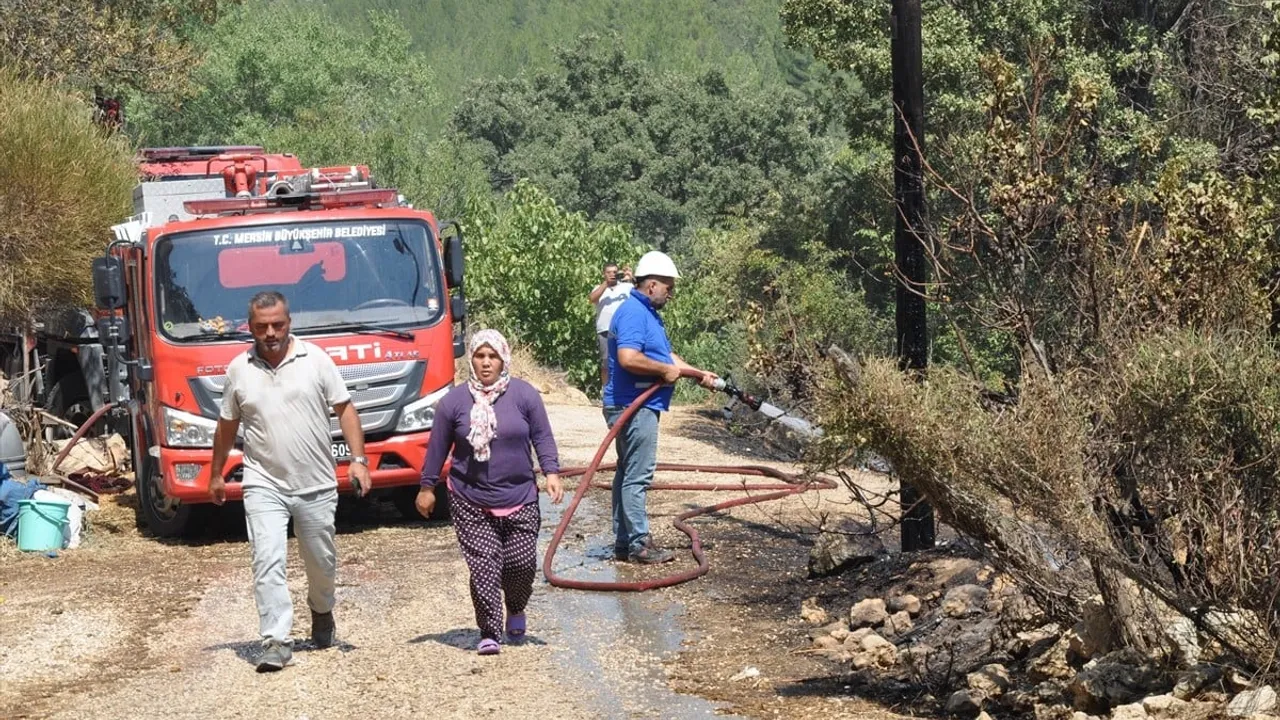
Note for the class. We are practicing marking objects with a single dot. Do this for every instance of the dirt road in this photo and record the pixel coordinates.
(129, 627)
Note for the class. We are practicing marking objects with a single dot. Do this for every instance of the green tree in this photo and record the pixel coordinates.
(663, 153)
(113, 44)
(468, 41)
(531, 265)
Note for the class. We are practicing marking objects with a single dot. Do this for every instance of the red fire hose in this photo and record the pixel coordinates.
(788, 485)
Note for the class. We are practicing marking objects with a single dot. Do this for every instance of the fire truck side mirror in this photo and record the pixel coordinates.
(108, 283)
(458, 308)
(453, 257)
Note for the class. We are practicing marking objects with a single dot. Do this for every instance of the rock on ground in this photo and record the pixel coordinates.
(964, 600)
(964, 703)
(897, 624)
(1252, 702)
(990, 681)
(1132, 711)
(867, 613)
(1193, 681)
(1118, 679)
(1163, 706)
(813, 613)
(909, 604)
(835, 552)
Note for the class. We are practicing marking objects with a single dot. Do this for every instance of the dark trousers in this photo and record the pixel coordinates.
(502, 555)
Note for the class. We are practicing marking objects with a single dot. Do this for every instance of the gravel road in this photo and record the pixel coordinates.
(129, 627)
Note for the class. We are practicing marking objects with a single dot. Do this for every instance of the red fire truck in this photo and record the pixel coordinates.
(370, 279)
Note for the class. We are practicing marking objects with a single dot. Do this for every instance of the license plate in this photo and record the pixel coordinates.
(340, 450)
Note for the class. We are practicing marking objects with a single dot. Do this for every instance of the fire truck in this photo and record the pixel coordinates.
(370, 279)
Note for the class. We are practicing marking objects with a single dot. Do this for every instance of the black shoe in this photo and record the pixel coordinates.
(651, 555)
(274, 657)
(621, 554)
(322, 629)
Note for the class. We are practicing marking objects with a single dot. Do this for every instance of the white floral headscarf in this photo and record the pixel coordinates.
(484, 421)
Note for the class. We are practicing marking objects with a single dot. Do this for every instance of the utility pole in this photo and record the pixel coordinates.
(908, 189)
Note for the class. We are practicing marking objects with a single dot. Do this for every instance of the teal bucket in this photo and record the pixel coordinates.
(42, 525)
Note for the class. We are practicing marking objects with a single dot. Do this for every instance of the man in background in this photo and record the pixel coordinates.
(607, 296)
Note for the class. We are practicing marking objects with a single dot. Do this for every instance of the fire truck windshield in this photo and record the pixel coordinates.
(379, 272)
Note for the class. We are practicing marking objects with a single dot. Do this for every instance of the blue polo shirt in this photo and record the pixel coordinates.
(636, 325)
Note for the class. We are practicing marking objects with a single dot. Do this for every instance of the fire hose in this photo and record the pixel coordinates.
(786, 486)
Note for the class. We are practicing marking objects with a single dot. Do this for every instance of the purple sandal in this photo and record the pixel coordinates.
(488, 646)
(515, 628)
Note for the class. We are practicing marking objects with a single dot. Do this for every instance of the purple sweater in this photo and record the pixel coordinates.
(506, 480)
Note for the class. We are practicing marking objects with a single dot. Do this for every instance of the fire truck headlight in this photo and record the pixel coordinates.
(183, 429)
(420, 414)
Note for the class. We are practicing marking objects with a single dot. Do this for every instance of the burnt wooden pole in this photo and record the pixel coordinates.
(908, 189)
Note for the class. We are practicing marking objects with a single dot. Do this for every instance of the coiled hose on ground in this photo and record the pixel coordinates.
(788, 485)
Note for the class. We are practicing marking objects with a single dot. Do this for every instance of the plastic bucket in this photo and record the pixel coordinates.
(42, 525)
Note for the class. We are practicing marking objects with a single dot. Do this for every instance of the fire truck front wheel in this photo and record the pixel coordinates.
(163, 515)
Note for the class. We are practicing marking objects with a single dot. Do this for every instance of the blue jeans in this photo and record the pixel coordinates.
(637, 446)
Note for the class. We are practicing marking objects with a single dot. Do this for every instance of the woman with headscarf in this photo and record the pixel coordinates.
(487, 427)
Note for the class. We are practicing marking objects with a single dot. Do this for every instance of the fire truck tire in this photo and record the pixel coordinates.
(164, 517)
(69, 400)
(404, 500)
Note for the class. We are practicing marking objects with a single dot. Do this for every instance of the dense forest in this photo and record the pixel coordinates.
(1102, 185)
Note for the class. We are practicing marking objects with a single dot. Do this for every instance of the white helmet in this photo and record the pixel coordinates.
(656, 263)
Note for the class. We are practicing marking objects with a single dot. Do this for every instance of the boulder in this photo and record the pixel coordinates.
(1163, 706)
(836, 552)
(897, 624)
(866, 613)
(875, 651)
(964, 600)
(1092, 636)
(1193, 681)
(909, 604)
(1117, 679)
(812, 613)
(1181, 631)
(1252, 702)
(1052, 663)
(964, 704)
(826, 642)
(854, 638)
(1132, 711)
(1033, 643)
(990, 681)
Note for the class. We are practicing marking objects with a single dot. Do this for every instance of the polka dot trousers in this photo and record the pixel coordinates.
(502, 555)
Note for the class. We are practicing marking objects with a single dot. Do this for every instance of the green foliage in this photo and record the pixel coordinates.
(115, 44)
(530, 268)
(468, 41)
(65, 182)
(294, 80)
(613, 138)
(747, 310)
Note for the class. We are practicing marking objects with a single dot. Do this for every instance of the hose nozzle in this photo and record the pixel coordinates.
(726, 386)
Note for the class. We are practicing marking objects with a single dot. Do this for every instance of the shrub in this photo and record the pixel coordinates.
(66, 181)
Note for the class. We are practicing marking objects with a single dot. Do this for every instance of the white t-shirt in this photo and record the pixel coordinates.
(284, 412)
(608, 304)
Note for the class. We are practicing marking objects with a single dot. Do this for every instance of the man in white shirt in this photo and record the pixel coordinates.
(280, 392)
(607, 296)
